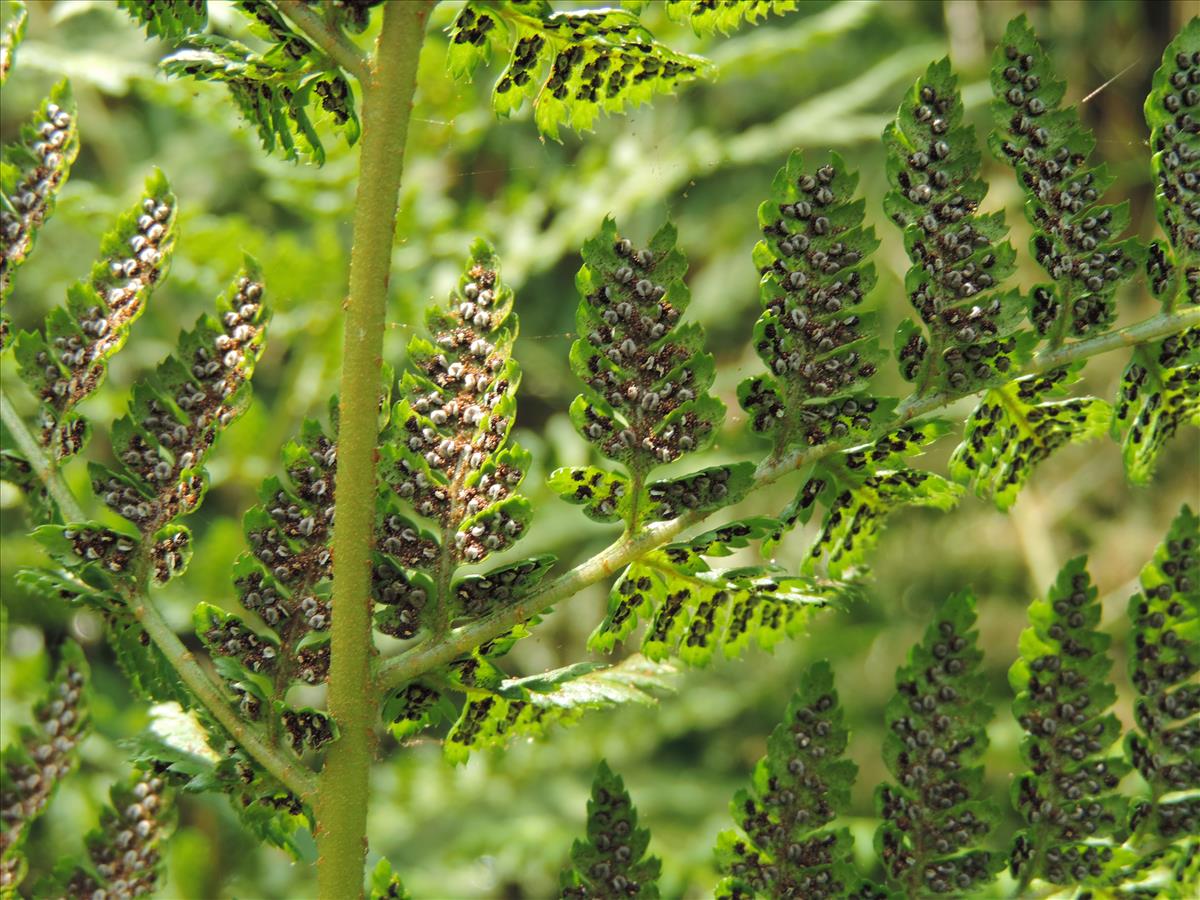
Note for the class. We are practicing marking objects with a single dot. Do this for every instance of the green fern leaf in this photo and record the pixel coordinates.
(935, 815)
(1074, 819)
(66, 362)
(646, 401)
(32, 768)
(970, 336)
(612, 862)
(171, 20)
(125, 851)
(709, 16)
(386, 884)
(1160, 388)
(497, 712)
(570, 66)
(1048, 147)
(860, 488)
(1164, 658)
(782, 847)
(32, 171)
(693, 611)
(12, 32)
(1015, 427)
(816, 331)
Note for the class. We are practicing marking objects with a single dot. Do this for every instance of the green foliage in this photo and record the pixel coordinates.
(960, 256)
(816, 334)
(386, 884)
(1160, 388)
(612, 862)
(860, 488)
(66, 362)
(707, 16)
(12, 32)
(498, 710)
(1164, 659)
(32, 170)
(1015, 427)
(171, 20)
(783, 847)
(570, 66)
(43, 756)
(694, 610)
(646, 401)
(936, 815)
(125, 850)
(1073, 817)
(1049, 147)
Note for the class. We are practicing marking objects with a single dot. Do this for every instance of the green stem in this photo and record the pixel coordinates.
(437, 652)
(45, 470)
(344, 787)
(330, 39)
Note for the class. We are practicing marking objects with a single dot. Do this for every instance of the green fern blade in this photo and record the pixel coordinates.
(1074, 819)
(970, 336)
(171, 20)
(725, 16)
(32, 172)
(1159, 392)
(67, 363)
(1048, 147)
(12, 32)
(1164, 660)
(1171, 114)
(936, 815)
(612, 862)
(1015, 428)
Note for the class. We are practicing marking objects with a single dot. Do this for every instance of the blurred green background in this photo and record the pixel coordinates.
(825, 77)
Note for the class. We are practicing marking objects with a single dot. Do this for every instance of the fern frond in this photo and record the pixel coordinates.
(970, 336)
(936, 816)
(859, 489)
(1164, 659)
(12, 32)
(31, 173)
(171, 20)
(126, 850)
(709, 16)
(31, 769)
(386, 884)
(1017, 426)
(499, 710)
(67, 362)
(1160, 388)
(782, 847)
(816, 334)
(693, 610)
(570, 66)
(646, 401)
(1074, 819)
(612, 862)
(1048, 147)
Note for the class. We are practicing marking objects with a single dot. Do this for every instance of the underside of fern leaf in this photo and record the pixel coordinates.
(1160, 389)
(612, 862)
(1074, 819)
(969, 334)
(1164, 661)
(936, 815)
(708, 16)
(816, 332)
(571, 66)
(782, 847)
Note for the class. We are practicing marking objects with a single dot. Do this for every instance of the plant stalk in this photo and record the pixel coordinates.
(330, 39)
(45, 470)
(437, 652)
(343, 789)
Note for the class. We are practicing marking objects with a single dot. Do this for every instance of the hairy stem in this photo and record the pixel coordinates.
(329, 38)
(437, 652)
(42, 466)
(344, 787)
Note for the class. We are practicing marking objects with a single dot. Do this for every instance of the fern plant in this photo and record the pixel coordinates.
(396, 513)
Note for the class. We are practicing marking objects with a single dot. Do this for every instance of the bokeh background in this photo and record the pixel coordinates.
(825, 77)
